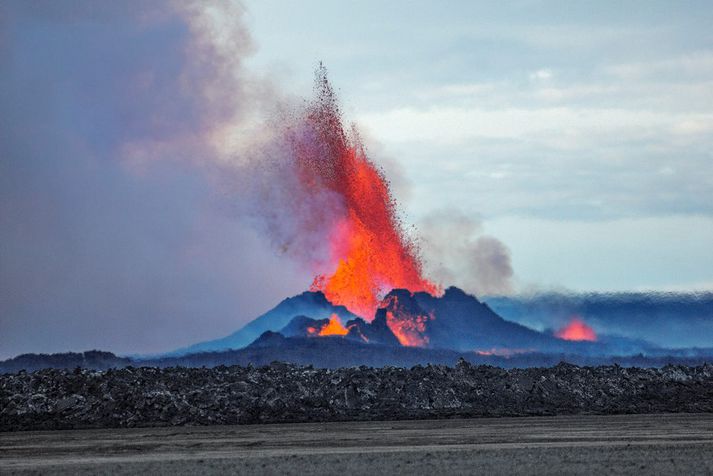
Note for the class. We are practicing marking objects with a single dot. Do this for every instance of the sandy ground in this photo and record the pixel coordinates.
(623, 444)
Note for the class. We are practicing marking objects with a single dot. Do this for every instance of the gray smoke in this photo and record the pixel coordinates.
(456, 252)
(115, 122)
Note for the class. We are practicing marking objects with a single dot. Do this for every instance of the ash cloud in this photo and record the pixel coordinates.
(457, 252)
(113, 233)
(274, 200)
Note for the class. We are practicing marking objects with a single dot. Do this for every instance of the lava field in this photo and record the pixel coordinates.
(147, 396)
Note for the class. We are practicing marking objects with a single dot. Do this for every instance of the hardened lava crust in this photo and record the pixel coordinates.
(147, 396)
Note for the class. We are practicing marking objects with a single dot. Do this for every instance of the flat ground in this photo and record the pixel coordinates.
(621, 444)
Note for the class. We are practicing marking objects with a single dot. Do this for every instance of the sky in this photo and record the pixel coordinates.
(577, 134)
(580, 133)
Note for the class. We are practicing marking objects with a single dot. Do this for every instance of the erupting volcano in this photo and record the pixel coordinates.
(369, 254)
(323, 201)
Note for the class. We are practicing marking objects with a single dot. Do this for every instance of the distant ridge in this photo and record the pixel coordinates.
(336, 352)
(664, 319)
(91, 359)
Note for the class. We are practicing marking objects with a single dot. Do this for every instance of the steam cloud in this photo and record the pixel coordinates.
(457, 252)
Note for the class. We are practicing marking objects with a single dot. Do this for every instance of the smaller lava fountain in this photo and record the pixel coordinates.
(577, 330)
(334, 327)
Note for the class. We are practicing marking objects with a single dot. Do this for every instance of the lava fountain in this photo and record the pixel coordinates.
(369, 254)
(334, 327)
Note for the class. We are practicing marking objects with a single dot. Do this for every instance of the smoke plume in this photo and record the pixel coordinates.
(114, 230)
(457, 253)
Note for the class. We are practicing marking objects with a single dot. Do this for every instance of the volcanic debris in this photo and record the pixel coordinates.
(280, 392)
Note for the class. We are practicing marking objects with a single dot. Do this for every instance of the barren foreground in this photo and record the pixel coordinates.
(619, 444)
(282, 393)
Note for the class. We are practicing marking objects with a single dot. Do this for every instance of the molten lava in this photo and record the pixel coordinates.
(369, 253)
(577, 330)
(334, 327)
(409, 327)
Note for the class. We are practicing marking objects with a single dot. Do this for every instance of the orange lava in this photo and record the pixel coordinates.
(334, 327)
(408, 328)
(370, 255)
(577, 330)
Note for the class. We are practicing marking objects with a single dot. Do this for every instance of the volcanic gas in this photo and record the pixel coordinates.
(369, 253)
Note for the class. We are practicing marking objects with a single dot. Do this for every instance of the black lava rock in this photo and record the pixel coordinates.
(280, 392)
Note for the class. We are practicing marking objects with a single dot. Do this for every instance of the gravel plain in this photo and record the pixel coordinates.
(581, 444)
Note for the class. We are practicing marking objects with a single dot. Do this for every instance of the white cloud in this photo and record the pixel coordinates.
(555, 127)
(690, 287)
(696, 64)
(541, 75)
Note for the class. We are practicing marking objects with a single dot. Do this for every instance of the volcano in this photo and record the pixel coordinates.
(459, 321)
(310, 303)
(329, 205)
(455, 321)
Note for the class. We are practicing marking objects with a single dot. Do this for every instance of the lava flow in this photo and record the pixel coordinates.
(408, 324)
(369, 253)
(577, 330)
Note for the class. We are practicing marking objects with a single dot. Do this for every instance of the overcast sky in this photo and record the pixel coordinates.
(580, 134)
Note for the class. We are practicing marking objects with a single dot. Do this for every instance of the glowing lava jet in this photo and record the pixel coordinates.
(577, 330)
(408, 325)
(333, 328)
(368, 251)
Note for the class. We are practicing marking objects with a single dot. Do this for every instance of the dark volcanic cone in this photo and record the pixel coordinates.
(458, 321)
(312, 304)
(303, 326)
(375, 332)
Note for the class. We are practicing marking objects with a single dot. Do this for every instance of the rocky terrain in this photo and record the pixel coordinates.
(53, 399)
(335, 352)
